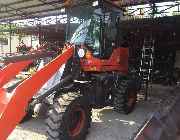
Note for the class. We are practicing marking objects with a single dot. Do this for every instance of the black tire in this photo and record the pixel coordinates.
(67, 68)
(69, 118)
(28, 116)
(125, 96)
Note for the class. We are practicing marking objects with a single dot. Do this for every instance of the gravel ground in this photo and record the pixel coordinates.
(107, 124)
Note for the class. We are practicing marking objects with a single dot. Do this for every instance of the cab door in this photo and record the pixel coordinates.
(110, 33)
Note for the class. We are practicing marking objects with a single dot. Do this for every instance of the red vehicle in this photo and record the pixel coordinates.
(95, 75)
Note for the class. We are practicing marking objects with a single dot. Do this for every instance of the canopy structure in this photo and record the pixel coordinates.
(23, 9)
(138, 2)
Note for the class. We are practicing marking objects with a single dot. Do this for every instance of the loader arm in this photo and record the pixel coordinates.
(17, 64)
(10, 71)
(13, 106)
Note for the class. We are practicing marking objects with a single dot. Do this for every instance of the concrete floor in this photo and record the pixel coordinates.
(107, 124)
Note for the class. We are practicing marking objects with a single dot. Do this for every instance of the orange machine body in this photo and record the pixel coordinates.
(118, 61)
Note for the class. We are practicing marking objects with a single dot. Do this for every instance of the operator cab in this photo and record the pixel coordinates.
(94, 25)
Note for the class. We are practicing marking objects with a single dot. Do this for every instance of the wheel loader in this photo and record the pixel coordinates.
(96, 74)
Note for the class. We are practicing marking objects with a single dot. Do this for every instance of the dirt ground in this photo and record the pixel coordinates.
(107, 124)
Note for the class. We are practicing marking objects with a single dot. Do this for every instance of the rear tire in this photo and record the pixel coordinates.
(69, 118)
(125, 96)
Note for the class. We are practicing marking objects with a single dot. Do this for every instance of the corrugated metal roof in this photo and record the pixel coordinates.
(130, 2)
(137, 2)
(19, 9)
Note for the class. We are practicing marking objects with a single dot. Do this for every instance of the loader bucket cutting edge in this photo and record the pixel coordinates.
(13, 107)
(164, 124)
(153, 129)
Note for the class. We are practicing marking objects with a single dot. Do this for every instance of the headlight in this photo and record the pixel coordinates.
(95, 3)
(81, 53)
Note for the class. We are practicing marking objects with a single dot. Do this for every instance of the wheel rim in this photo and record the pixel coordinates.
(76, 122)
(130, 99)
(130, 102)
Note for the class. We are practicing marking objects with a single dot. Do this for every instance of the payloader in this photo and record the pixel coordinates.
(96, 74)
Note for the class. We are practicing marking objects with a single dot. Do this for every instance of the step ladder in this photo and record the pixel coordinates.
(146, 65)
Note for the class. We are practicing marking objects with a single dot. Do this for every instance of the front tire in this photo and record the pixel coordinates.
(69, 117)
(125, 96)
(28, 116)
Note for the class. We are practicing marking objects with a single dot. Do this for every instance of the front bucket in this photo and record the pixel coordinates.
(4, 99)
(11, 112)
(165, 122)
(152, 130)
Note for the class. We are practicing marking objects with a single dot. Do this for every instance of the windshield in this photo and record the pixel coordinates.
(88, 33)
(80, 34)
(92, 27)
(77, 16)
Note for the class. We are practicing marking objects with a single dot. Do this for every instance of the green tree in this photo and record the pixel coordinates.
(175, 13)
(5, 29)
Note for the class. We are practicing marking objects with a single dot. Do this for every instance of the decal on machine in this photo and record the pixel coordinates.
(92, 68)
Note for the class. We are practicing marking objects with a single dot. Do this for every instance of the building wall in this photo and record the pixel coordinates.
(14, 44)
(34, 43)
